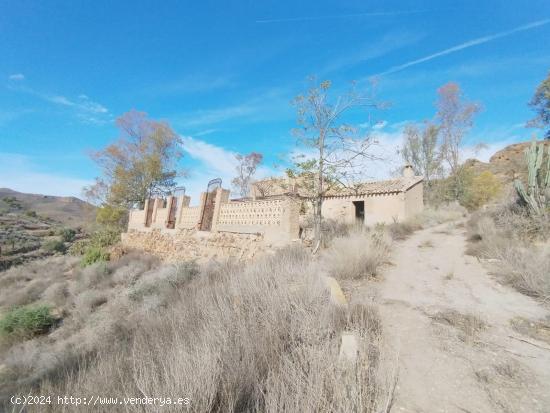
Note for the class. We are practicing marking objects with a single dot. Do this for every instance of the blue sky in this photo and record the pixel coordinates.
(223, 75)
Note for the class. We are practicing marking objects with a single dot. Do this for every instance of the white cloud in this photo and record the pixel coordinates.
(20, 173)
(17, 76)
(264, 105)
(84, 108)
(214, 162)
(387, 43)
(60, 100)
(466, 45)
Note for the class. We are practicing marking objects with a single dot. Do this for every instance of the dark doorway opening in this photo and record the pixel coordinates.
(359, 210)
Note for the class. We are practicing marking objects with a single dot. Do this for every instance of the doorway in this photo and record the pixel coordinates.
(359, 210)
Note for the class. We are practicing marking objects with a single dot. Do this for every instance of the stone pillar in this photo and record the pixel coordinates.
(290, 220)
(145, 209)
(222, 197)
(156, 206)
(201, 206)
(169, 201)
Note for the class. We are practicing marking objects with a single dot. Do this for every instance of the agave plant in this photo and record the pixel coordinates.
(537, 194)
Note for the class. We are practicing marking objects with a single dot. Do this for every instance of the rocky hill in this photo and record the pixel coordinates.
(35, 226)
(506, 164)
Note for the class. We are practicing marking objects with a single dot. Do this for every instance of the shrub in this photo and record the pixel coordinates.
(66, 234)
(31, 214)
(183, 273)
(358, 255)
(26, 321)
(111, 216)
(507, 235)
(94, 254)
(480, 190)
(260, 337)
(54, 245)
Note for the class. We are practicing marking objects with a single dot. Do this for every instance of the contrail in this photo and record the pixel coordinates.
(338, 16)
(466, 45)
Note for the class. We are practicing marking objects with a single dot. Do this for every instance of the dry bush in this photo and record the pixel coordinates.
(429, 217)
(234, 338)
(513, 238)
(443, 213)
(469, 325)
(358, 255)
(93, 309)
(402, 230)
(526, 268)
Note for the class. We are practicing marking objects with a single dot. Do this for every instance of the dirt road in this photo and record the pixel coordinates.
(452, 324)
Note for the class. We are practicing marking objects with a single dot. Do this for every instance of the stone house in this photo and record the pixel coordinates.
(371, 203)
(273, 216)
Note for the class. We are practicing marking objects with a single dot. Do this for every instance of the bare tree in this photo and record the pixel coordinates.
(455, 117)
(420, 150)
(338, 147)
(246, 168)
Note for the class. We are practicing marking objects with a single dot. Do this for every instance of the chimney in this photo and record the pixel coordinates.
(408, 171)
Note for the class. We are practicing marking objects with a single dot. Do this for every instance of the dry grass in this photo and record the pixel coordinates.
(358, 255)
(427, 218)
(426, 244)
(537, 329)
(232, 338)
(517, 245)
(468, 325)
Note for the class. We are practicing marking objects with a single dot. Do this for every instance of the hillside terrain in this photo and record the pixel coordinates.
(35, 226)
(506, 164)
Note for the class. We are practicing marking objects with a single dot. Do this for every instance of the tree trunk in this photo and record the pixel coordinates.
(317, 217)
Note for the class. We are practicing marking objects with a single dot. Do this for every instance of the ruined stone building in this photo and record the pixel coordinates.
(275, 215)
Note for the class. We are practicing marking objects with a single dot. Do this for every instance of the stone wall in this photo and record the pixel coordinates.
(188, 217)
(379, 208)
(183, 245)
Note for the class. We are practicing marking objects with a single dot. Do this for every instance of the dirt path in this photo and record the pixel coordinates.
(451, 323)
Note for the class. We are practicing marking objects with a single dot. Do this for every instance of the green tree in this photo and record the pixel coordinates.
(141, 164)
(541, 105)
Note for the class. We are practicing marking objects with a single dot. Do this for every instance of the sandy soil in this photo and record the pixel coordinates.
(450, 322)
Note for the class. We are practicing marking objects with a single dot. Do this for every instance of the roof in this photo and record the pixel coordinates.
(389, 186)
(279, 186)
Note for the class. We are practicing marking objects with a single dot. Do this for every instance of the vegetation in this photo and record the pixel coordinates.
(421, 151)
(360, 254)
(507, 234)
(256, 337)
(26, 321)
(537, 194)
(246, 168)
(480, 190)
(95, 248)
(338, 146)
(142, 164)
(67, 234)
(54, 245)
(541, 104)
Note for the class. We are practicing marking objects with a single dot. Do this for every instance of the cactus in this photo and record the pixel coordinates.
(537, 194)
